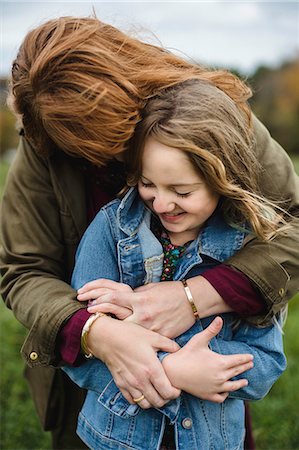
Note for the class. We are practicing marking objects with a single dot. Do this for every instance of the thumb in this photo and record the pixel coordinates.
(212, 330)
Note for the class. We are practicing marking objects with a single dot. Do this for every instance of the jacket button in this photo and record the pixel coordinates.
(33, 356)
(187, 423)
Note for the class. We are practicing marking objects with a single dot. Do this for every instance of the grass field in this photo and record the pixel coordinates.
(275, 419)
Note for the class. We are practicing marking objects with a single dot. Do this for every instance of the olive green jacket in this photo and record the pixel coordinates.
(43, 217)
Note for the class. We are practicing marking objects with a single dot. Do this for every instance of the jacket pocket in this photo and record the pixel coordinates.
(112, 399)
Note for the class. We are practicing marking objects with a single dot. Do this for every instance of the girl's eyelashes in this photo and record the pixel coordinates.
(150, 185)
(186, 194)
(144, 184)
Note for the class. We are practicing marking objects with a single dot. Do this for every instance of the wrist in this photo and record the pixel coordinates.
(206, 298)
(190, 299)
(86, 331)
(100, 335)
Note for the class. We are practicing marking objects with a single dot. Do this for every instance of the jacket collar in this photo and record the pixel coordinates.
(218, 239)
(131, 212)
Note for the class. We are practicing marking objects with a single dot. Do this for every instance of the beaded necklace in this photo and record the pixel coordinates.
(172, 254)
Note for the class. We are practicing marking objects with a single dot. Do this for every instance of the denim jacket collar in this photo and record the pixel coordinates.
(218, 239)
(130, 213)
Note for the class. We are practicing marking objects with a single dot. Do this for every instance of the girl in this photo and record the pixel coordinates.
(195, 205)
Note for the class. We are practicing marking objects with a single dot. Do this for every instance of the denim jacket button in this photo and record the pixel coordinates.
(187, 423)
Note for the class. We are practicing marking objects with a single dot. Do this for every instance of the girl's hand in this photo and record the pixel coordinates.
(203, 373)
(130, 353)
(94, 291)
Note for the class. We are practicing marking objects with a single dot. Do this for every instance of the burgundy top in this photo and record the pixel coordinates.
(233, 286)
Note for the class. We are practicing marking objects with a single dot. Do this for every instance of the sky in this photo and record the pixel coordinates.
(234, 34)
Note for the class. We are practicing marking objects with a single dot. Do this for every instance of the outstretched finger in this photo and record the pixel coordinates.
(237, 370)
(231, 386)
(233, 361)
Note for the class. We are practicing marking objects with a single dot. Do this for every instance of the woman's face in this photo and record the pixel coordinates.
(173, 190)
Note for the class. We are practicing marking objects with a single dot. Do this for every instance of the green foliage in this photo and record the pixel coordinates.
(20, 428)
(275, 418)
(8, 132)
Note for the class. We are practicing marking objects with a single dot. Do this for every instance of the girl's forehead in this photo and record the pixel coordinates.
(167, 165)
(155, 150)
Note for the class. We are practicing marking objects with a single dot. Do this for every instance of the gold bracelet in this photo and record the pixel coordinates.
(190, 299)
(85, 331)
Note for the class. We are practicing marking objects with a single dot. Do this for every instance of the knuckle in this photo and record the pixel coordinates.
(140, 381)
(221, 398)
(171, 396)
(221, 378)
(145, 316)
(146, 406)
(120, 384)
(231, 385)
(216, 398)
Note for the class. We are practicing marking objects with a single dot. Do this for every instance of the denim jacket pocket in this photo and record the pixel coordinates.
(153, 269)
(113, 400)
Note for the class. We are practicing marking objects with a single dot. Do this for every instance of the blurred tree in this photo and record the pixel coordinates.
(276, 102)
(8, 132)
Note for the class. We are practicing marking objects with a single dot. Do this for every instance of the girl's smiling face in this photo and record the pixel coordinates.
(174, 191)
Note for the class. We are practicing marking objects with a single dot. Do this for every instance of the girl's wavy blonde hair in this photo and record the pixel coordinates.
(79, 84)
(214, 130)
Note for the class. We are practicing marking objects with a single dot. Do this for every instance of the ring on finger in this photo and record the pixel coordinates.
(139, 399)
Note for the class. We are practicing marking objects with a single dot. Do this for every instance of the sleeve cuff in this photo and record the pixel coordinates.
(69, 344)
(236, 290)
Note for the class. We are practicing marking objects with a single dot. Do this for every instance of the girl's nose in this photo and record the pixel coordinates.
(161, 204)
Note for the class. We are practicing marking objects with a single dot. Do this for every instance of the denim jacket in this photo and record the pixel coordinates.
(119, 245)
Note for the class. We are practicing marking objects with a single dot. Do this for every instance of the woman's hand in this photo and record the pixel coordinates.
(203, 373)
(160, 307)
(130, 353)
